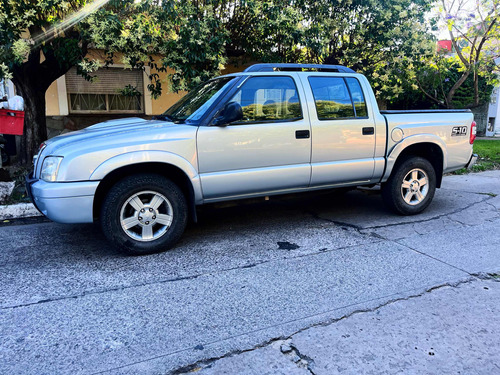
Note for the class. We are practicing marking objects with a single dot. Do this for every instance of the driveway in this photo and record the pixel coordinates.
(244, 277)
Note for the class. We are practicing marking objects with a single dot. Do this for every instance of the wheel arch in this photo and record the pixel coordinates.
(170, 171)
(428, 147)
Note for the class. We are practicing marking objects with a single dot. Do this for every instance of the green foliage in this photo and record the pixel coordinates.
(196, 47)
(198, 38)
(129, 91)
(374, 37)
(436, 75)
(465, 77)
(39, 20)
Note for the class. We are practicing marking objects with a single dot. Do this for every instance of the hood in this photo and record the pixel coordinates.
(83, 151)
(108, 132)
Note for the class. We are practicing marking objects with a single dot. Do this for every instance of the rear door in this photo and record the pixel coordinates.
(343, 134)
(268, 150)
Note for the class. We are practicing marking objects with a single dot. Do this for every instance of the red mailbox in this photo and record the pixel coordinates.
(11, 122)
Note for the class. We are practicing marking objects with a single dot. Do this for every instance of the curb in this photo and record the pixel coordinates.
(17, 211)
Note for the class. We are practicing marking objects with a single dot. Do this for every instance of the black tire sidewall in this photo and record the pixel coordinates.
(124, 189)
(391, 191)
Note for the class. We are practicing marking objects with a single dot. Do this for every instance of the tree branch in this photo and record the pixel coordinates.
(434, 99)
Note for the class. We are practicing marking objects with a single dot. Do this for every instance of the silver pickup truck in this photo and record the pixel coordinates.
(272, 129)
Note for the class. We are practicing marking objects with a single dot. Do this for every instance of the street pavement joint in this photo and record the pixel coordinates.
(289, 349)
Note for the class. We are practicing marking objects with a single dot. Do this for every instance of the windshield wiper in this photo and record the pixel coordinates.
(168, 118)
(163, 118)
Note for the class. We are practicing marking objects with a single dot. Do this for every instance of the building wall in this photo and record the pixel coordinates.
(494, 113)
(495, 103)
(52, 100)
(167, 99)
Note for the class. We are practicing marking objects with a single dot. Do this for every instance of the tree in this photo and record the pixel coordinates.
(474, 30)
(428, 89)
(374, 37)
(40, 41)
(209, 33)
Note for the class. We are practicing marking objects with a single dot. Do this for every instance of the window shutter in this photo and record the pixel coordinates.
(108, 81)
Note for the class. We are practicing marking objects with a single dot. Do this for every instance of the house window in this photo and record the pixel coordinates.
(114, 90)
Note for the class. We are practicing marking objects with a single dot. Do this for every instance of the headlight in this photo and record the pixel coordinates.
(50, 167)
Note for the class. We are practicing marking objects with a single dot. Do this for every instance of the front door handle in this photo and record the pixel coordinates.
(369, 131)
(302, 134)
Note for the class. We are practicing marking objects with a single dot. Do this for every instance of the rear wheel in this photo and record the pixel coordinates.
(144, 214)
(411, 187)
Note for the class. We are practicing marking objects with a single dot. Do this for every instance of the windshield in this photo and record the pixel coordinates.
(194, 105)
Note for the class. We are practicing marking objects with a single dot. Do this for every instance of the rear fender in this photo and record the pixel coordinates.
(412, 140)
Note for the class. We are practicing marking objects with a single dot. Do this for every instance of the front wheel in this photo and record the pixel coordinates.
(411, 187)
(144, 214)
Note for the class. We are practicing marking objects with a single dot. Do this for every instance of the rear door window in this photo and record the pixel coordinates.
(338, 98)
(357, 97)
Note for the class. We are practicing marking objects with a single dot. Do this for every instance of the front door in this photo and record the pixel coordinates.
(268, 150)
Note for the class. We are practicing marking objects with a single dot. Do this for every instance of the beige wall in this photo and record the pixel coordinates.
(167, 99)
(52, 101)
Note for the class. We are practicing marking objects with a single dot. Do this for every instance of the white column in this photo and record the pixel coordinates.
(62, 95)
(148, 100)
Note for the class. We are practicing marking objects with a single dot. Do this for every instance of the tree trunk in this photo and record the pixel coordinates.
(455, 87)
(35, 124)
(32, 79)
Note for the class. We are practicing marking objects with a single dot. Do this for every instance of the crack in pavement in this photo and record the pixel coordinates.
(204, 363)
(361, 230)
(432, 218)
(303, 360)
(431, 257)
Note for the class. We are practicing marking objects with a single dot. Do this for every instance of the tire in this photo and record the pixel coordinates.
(144, 214)
(411, 187)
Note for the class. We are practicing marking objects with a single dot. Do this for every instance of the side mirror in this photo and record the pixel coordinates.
(232, 112)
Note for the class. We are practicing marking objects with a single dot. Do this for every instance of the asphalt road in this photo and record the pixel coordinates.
(240, 278)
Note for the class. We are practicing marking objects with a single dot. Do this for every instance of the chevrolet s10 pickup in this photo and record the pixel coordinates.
(272, 129)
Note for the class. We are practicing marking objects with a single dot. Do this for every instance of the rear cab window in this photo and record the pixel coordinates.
(338, 98)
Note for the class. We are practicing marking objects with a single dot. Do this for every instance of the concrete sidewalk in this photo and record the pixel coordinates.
(449, 330)
(17, 211)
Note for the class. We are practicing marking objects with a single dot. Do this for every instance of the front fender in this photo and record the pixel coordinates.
(138, 157)
(411, 140)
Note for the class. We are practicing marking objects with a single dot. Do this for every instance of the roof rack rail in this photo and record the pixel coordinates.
(298, 67)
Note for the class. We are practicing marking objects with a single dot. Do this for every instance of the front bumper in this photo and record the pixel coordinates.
(472, 161)
(63, 202)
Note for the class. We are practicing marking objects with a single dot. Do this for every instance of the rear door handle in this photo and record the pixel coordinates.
(369, 131)
(302, 134)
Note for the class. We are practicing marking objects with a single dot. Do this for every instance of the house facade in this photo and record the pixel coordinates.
(73, 103)
(493, 126)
